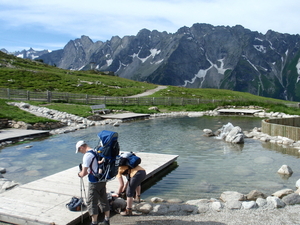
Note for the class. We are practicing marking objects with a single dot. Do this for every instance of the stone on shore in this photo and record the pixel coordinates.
(291, 199)
(254, 195)
(282, 193)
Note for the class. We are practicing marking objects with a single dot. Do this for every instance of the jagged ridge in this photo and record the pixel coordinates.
(202, 56)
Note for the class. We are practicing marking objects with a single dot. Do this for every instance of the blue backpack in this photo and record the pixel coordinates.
(129, 159)
(107, 151)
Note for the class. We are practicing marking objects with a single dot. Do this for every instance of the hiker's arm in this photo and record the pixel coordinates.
(83, 172)
(124, 187)
(121, 185)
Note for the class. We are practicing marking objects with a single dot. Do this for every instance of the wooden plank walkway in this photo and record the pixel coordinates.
(11, 133)
(44, 201)
(126, 116)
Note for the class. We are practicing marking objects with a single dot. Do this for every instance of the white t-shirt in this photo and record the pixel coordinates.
(87, 159)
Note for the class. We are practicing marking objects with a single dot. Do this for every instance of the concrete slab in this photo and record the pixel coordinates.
(44, 201)
(126, 116)
(11, 133)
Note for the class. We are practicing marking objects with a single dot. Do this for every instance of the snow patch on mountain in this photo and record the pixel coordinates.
(202, 73)
(153, 53)
(260, 48)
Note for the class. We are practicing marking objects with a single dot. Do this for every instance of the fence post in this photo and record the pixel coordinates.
(28, 96)
(138, 101)
(105, 100)
(87, 99)
(181, 101)
(8, 93)
(48, 96)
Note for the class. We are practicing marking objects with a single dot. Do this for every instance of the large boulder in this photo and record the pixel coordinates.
(253, 195)
(235, 136)
(283, 193)
(275, 202)
(291, 199)
(232, 195)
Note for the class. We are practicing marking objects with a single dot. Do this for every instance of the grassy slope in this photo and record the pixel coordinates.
(31, 75)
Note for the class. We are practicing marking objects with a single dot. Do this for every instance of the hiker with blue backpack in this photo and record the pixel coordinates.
(96, 189)
(135, 174)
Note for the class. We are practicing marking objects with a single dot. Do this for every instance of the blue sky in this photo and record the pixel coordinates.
(50, 24)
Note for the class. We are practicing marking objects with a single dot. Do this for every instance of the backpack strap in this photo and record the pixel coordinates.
(95, 157)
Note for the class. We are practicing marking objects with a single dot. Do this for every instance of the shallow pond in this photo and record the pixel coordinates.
(205, 167)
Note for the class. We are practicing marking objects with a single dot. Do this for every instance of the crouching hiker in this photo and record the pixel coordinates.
(134, 176)
(96, 190)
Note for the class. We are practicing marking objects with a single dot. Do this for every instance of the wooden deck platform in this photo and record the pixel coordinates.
(238, 111)
(11, 134)
(44, 201)
(126, 116)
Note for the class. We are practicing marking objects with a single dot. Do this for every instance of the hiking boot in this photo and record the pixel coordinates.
(106, 222)
(127, 212)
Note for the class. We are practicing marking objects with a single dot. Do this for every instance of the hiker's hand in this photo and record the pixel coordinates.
(79, 174)
(115, 195)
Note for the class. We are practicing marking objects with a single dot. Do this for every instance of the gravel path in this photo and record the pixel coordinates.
(290, 215)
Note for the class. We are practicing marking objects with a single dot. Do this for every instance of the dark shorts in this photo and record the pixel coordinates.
(97, 196)
(134, 182)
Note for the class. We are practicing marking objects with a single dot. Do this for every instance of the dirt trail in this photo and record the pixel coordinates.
(149, 92)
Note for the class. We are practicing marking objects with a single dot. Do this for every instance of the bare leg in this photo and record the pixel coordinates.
(95, 219)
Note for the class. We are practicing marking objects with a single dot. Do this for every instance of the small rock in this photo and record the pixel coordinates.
(2, 170)
(217, 206)
(276, 202)
(144, 207)
(261, 202)
(249, 205)
(285, 170)
(157, 199)
(253, 195)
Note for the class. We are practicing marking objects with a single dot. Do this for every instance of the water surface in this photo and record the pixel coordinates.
(206, 166)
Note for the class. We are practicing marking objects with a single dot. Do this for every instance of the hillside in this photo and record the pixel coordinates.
(17, 73)
(26, 74)
(33, 75)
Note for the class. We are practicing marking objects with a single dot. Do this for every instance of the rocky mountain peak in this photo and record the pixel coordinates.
(200, 56)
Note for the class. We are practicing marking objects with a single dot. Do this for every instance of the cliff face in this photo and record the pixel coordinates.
(202, 56)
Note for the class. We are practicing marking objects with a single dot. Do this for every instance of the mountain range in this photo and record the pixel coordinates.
(27, 54)
(200, 56)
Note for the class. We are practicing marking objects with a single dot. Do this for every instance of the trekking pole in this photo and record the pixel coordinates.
(83, 189)
(81, 183)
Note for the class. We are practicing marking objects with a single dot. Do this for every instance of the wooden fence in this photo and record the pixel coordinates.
(286, 127)
(49, 96)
